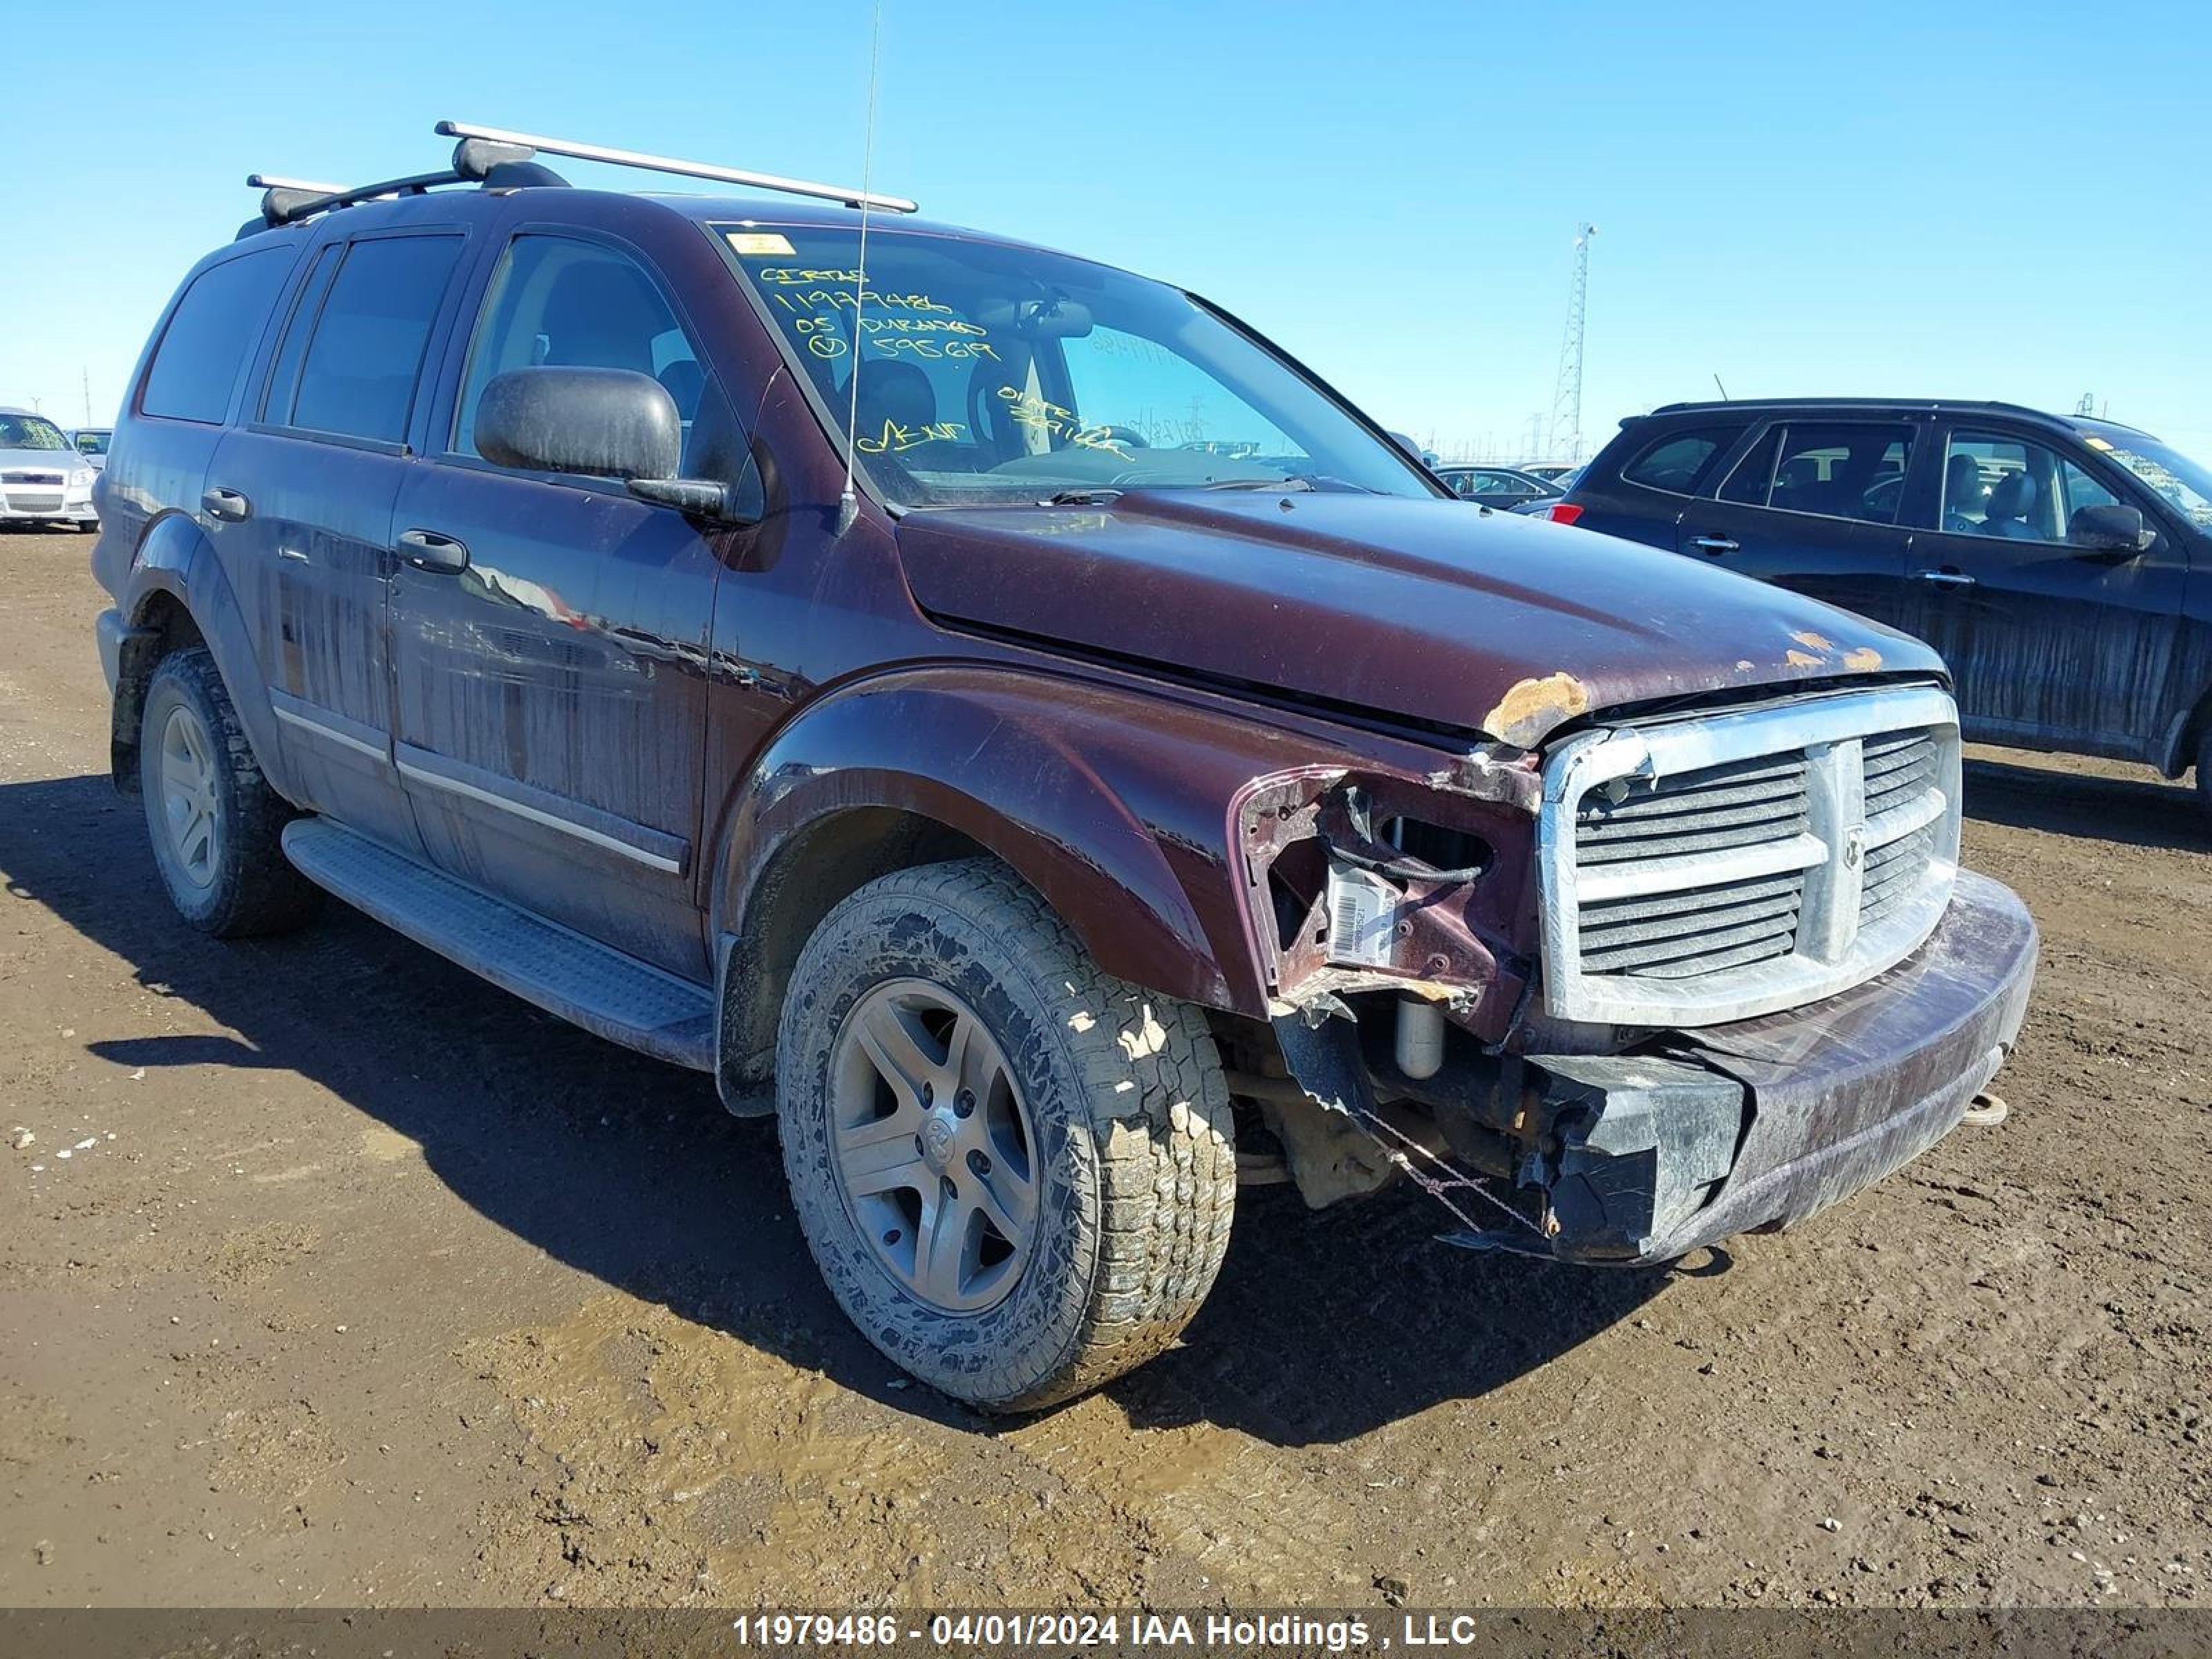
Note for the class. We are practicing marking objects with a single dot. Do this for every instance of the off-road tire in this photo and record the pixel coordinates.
(254, 889)
(1136, 1161)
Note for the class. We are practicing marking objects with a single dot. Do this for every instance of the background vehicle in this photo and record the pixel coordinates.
(1540, 505)
(91, 442)
(1079, 746)
(2048, 558)
(1499, 487)
(42, 479)
(1553, 472)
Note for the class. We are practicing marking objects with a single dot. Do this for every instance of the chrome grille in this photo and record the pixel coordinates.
(1698, 871)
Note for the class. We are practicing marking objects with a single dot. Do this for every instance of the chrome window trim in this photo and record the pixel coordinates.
(1833, 951)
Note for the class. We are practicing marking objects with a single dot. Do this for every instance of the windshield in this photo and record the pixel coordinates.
(1000, 375)
(29, 432)
(92, 443)
(2185, 483)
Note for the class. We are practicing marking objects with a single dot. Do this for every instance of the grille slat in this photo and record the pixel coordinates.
(1697, 928)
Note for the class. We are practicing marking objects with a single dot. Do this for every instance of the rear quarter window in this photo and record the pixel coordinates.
(1678, 462)
(203, 352)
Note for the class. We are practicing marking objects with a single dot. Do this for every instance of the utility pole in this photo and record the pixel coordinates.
(86, 374)
(1567, 398)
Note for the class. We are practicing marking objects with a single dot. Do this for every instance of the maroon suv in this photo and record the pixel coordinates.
(1004, 718)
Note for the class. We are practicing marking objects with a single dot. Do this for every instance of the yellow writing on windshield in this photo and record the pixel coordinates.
(1038, 414)
(896, 438)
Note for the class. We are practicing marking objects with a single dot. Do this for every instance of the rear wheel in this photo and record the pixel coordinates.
(1016, 1172)
(213, 819)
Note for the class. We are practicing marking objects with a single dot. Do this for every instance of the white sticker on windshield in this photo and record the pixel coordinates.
(758, 241)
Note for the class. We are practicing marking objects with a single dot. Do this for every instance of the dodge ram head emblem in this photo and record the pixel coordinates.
(1854, 846)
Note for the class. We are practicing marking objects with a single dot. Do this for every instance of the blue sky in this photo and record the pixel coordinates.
(2005, 202)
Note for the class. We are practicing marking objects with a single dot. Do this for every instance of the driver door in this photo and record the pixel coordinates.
(2051, 644)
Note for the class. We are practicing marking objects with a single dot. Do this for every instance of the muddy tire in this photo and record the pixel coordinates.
(1062, 1203)
(212, 817)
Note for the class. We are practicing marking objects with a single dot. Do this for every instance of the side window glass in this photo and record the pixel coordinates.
(1754, 474)
(358, 376)
(284, 378)
(1839, 470)
(1678, 462)
(2077, 490)
(576, 304)
(211, 332)
(2005, 488)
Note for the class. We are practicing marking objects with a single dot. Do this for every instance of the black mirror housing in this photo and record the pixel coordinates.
(600, 422)
(2110, 528)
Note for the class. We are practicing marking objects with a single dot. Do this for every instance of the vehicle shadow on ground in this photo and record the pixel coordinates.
(2133, 811)
(1322, 1326)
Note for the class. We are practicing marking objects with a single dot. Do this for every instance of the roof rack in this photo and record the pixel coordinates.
(497, 160)
(631, 158)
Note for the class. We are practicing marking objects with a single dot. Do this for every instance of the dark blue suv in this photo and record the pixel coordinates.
(2061, 566)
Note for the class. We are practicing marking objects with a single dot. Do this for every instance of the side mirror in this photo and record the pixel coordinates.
(2110, 528)
(601, 422)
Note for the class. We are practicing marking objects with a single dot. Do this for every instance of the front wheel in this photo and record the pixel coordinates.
(1016, 1172)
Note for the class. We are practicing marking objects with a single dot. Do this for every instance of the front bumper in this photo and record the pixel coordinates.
(1755, 1125)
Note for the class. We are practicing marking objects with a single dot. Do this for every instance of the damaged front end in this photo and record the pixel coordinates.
(1680, 979)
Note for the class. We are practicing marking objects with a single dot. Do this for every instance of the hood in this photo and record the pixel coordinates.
(64, 461)
(1433, 611)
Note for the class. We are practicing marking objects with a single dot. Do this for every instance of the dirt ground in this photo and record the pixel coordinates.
(329, 1274)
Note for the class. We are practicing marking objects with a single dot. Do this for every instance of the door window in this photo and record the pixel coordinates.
(1833, 470)
(358, 374)
(576, 304)
(2010, 489)
(203, 349)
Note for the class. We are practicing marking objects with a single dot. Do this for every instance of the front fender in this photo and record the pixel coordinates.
(1114, 805)
(176, 561)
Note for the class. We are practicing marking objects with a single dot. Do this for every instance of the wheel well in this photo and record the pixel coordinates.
(815, 870)
(2193, 732)
(162, 625)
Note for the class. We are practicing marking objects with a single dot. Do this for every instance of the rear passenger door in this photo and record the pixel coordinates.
(300, 501)
(2051, 643)
(1816, 505)
(550, 667)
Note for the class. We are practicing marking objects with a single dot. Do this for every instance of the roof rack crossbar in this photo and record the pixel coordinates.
(630, 158)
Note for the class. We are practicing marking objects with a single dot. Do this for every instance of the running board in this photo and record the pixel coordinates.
(608, 993)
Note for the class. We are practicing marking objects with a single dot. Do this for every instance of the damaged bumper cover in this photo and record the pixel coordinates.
(1755, 1125)
(1749, 1126)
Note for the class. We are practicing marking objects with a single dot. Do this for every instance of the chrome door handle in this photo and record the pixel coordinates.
(226, 504)
(1716, 546)
(1944, 577)
(426, 550)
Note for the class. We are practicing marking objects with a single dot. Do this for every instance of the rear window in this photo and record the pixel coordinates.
(358, 376)
(203, 349)
(1678, 463)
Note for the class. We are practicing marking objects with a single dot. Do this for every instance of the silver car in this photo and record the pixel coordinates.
(91, 442)
(42, 477)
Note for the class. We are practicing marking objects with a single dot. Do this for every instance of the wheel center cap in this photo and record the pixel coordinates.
(937, 1141)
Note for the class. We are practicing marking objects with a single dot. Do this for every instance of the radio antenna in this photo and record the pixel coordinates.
(848, 504)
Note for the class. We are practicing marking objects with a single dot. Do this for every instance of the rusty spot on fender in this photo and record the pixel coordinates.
(1799, 659)
(1534, 706)
(1813, 642)
(1864, 660)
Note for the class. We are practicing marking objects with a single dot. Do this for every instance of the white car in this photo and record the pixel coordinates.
(91, 442)
(42, 477)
